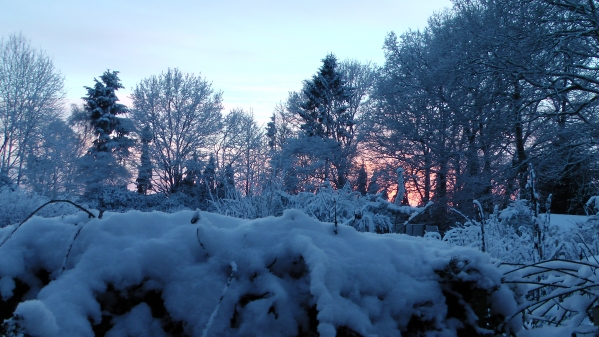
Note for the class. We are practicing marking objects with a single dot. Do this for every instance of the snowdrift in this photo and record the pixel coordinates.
(157, 274)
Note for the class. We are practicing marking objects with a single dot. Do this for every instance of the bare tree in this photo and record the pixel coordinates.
(184, 116)
(51, 165)
(31, 91)
(242, 145)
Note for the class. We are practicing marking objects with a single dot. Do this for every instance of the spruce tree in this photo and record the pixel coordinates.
(271, 133)
(327, 102)
(325, 114)
(361, 181)
(103, 109)
(103, 163)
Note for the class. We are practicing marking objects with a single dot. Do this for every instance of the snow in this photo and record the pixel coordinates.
(566, 221)
(141, 274)
(39, 321)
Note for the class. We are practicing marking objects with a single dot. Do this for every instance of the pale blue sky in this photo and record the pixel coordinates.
(254, 51)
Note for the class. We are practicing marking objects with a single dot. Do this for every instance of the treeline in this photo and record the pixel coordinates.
(467, 108)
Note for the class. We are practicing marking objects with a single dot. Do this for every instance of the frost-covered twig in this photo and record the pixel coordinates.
(562, 291)
(213, 315)
(589, 249)
(462, 214)
(538, 264)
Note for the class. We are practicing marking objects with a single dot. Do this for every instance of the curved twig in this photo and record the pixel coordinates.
(536, 264)
(91, 215)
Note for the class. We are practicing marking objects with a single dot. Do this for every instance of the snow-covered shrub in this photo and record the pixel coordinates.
(344, 206)
(268, 203)
(156, 274)
(517, 215)
(592, 205)
(16, 205)
(508, 234)
(560, 296)
(122, 200)
(575, 241)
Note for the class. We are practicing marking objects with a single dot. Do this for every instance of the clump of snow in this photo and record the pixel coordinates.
(37, 319)
(156, 274)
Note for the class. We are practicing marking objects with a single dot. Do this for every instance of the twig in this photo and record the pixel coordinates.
(272, 263)
(536, 264)
(66, 258)
(90, 214)
(537, 283)
(570, 272)
(587, 247)
(549, 298)
(198, 236)
(213, 315)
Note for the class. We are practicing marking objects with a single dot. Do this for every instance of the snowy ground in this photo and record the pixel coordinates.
(157, 274)
(566, 221)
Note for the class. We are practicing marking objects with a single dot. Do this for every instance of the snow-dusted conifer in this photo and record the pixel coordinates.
(207, 186)
(324, 112)
(361, 181)
(373, 186)
(102, 165)
(144, 177)
(226, 184)
(271, 132)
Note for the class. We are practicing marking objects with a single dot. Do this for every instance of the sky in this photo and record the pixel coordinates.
(255, 52)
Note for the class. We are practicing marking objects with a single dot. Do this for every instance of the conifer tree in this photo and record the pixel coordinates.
(101, 104)
(324, 111)
(207, 187)
(103, 164)
(144, 176)
(226, 185)
(361, 181)
(271, 132)
(373, 186)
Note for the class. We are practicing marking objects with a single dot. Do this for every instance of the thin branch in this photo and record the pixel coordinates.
(42, 206)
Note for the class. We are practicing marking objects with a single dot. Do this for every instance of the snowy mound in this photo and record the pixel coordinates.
(157, 274)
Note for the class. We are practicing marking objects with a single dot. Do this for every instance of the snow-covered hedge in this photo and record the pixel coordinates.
(17, 204)
(157, 274)
(369, 213)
